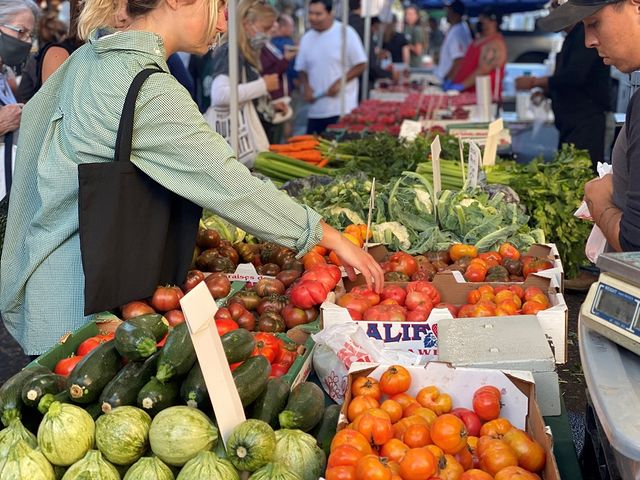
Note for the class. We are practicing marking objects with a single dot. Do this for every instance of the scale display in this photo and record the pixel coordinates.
(616, 307)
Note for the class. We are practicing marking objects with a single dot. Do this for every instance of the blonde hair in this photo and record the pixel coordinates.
(101, 13)
(252, 11)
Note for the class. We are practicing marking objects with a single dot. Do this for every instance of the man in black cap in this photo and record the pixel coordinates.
(612, 27)
(456, 41)
(580, 91)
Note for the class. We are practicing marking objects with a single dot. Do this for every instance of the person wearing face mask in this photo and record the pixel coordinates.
(72, 121)
(256, 19)
(487, 55)
(17, 23)
(612, 28)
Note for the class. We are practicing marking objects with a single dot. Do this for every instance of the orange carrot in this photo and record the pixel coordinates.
(301, 138)
(307, 155)
(322, 163)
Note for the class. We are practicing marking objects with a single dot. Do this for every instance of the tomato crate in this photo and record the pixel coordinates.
(68, 344)
(517, 391)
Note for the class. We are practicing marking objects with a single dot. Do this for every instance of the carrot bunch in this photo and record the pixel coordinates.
(302, 147)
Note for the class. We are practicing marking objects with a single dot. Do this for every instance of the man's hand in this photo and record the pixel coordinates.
(309, 94)
(10, 116)
(271, 81)
(598, 193)
(525, 83)
(334, 89)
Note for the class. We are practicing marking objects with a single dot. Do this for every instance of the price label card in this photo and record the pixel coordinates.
(372, 201)
(410, 129)
(436, 149)
(491, 146)
(461, 148)
(475, 157)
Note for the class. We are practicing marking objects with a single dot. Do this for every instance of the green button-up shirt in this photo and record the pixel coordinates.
(73, 119)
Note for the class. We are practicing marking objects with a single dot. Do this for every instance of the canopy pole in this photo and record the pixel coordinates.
(233, 74)
(367, 49)
(343, 79)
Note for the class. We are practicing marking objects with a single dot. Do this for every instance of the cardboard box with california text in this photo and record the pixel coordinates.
(517, 388)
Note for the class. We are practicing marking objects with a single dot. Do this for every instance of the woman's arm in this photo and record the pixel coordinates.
(221, 91)
(53, 58)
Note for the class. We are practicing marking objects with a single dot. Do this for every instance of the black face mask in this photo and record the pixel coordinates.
(479, 28)
(13, 51)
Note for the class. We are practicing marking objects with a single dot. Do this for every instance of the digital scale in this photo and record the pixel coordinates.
(612, 306)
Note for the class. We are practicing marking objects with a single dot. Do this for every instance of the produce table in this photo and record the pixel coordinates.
(563, 446)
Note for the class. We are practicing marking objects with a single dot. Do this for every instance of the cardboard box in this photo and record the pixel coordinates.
(518, 393)
(422, 337)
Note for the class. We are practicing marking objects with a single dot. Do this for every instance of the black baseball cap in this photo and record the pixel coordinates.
(571, 12)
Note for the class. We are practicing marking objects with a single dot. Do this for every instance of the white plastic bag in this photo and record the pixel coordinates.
(343, 342)
(596, 242)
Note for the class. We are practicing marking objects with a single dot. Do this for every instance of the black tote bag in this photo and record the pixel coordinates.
(134, 233)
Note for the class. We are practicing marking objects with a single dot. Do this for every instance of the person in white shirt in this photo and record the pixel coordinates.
(319, 63)
(456, 41)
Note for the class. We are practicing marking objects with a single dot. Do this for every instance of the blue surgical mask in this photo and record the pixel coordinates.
(259, 40)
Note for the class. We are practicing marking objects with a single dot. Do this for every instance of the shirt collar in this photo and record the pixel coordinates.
(149, 43)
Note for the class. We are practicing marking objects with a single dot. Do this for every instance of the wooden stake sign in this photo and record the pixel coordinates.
(491, 146)
(436, 150)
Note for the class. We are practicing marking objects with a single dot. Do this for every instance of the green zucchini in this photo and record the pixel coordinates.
(238, 345)
(93, 372)
(35, 388)
(326, 429)
(305, 407)
(47, 399)
(94, 409)
(193, 390)
(251, 378)
(136, 338)
(178, 354)
(156, 396)
(124, 387)
(271, 401)
(11, 392)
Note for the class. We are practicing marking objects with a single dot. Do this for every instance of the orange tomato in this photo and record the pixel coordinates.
(487, 297)
(531, 455)
(400, 427)
(341, 473)
(503, 296)
(473, 296)
(449, 433)
(465, 458)
(488, 388)
(486, 405)
(312, 259)
(428, 414)
(474, 474)
(410, 409)
(344, 455)
(320, 250)
(333, 258)
(518, 290)
(363, 231)
(437, 452)
(431, 397)
(355, 231)
(466, 311)
(496, 456)
(396, 379)
(395, 469)
(540, 298)
(450, 469)
(530, 292)
(515, 473)
(375, 425)
(360, 405)
(509, 250)
(353, 438)
(508, 307)
(394, 450)
(491, 256)
(370, 467)
(475, 273)
(393, 409)
(496, 428)
(483, 263)
(416, 436)
(366, 386)
(459, 250)
(484, 309)
(356, 240)
(532, 307)
(403, 399)
(418, 464)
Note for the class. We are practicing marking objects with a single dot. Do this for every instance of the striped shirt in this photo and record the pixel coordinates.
(73, 119)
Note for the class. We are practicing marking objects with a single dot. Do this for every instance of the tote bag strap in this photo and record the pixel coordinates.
(125, 128)
(8, 161)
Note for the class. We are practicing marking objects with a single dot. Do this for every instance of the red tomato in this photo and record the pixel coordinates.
(267, 345)
(536, 265)
(475, 273)
(223, 314)
(452, 308)
(333, 270)
(486, 405)
(308, 293)
(233, 366)
(418, 299)
(88, 345)
(225, 325)
(311, 259)
(161, 343)
(354, 301)
(135, 309)
(166, 298)
(294, 316)
(287, 354)
(508, 250)
(470, 419)
(385, 313)
(404, 263)
(418, 315)
(372, 297)
(425, 287)
(194, 277)
(320, 275)
(279, 369)
(66, 365)
(394, 292)
(218, 284)
(174, 317)
(355, 315)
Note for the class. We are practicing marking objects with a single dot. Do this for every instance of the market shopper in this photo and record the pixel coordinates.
(255, 21)
(395, 44)
(456, 41)
(415, 35)
(487, 55)
(319, 64)
(580, 92)
(73, 120)
(612, 27)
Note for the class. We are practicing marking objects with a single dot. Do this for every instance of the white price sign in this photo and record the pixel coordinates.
(475, 157)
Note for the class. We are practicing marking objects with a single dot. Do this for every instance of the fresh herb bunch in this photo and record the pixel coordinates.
(552, 192)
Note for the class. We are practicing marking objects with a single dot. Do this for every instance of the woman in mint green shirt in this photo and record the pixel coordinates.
(73, 119)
